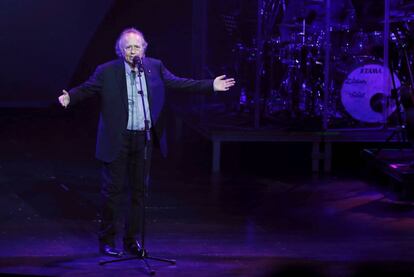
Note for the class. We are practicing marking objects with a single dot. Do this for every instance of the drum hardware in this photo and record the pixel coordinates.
(298, 92)
(243, 104)
(246, 101)
(359, 98)
(407, 6)
(364, 43)
(372, 103)
(406, 96)
(400, 18)
(294, 25)
(401, 131)
(359, 44)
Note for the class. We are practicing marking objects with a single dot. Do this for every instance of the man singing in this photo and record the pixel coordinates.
(132, 92)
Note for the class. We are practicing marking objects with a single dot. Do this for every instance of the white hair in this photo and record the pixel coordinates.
(118, 49)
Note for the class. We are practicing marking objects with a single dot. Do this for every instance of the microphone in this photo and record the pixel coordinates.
(138, 63)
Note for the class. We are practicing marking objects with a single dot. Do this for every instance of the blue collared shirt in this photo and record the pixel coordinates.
(136, 119)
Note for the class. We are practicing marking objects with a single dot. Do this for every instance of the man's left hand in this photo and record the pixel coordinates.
(222, 84)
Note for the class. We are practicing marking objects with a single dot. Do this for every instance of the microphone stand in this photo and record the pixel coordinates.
(143, 254)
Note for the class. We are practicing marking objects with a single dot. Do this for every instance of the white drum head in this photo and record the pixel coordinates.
(365, 91)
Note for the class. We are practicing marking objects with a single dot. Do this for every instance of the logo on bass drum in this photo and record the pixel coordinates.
(371, 70)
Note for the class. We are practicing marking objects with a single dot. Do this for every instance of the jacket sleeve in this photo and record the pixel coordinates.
(185, 84)
(88, 89)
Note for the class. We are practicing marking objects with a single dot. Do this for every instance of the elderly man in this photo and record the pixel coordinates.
(132, 93)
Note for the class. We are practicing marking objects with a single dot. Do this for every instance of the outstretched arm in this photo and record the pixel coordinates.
(89, 88)
(220, 83)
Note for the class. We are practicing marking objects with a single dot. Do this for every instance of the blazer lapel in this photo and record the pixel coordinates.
(147, 71)
(120, 73)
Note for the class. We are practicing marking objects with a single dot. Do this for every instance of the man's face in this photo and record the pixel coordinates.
(132, 45)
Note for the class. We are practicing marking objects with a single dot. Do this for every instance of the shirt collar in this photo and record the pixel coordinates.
(128, 68)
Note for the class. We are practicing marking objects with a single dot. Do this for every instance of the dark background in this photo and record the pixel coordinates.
(51, 45)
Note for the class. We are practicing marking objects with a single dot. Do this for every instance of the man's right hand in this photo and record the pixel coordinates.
(64, 99)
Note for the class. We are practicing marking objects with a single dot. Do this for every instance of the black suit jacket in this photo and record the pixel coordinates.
(109, 82)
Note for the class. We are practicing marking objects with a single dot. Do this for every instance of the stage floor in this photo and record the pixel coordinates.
(244, 222)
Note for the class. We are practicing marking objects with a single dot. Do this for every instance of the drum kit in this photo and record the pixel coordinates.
(360, 86)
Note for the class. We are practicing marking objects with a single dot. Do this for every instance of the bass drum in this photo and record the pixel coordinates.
(366, 93)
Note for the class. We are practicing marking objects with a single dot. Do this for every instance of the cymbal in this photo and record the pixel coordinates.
(333, 26)
(407, 6)
(340, 27)
(397, 13)
(288, 25)
(396, 19)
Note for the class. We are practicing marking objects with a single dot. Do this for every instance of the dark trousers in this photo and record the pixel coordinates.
(131, 167)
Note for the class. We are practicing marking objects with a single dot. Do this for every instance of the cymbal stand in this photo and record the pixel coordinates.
(400, 130)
